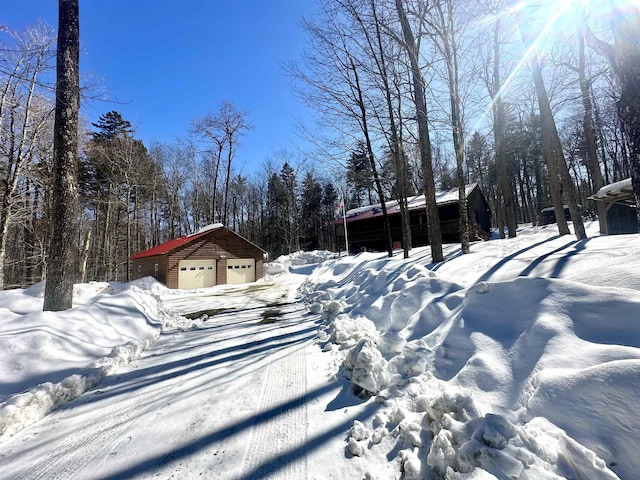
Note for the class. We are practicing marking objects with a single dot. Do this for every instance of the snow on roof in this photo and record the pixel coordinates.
(418, 201)
(207, 228)
(617, 191)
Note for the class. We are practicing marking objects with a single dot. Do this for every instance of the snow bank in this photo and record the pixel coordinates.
(50, 358)
(530, 378)
(283, 263)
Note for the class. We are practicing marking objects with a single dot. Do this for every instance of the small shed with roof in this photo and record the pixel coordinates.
(620, 204)
(212, 256)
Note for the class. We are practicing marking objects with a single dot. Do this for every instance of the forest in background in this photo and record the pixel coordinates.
(411, 96)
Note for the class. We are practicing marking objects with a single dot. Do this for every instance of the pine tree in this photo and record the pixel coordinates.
(360, 177)
(111, 125)
(310, 212)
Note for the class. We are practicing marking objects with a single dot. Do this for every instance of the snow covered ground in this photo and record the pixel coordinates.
(519, 360)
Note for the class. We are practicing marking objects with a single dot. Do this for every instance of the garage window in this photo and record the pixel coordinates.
(183, 269)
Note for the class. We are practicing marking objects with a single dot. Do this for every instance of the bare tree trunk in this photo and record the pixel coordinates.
(128, 246)
(558, 171)
(450, 53)
(395, 144)
(504, 193)
(589, 133)
(372, 160)
(227, 181)
(85, 256)
(62, 268)
(105, 251)
(627, 50)
(559, 177)
(435, 235)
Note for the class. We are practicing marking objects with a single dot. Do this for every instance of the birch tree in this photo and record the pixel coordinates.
(24, 116)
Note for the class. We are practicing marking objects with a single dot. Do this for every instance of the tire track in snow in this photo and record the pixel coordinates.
(75, 452)
(284, 379)
(285, 430)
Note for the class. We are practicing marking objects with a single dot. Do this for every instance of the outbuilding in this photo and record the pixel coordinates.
(365, 226)
(212, 256)
(620, 205)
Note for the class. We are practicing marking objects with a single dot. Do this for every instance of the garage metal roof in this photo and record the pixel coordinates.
(166, 247)
(170, 245)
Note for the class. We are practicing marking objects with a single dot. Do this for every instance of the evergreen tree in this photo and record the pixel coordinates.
(311, 212)
(329, 202)
(276, 221)
(292, 221)
(111, 125)
(360, 177)
(117, 176)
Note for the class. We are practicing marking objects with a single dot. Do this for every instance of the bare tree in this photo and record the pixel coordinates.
(223, 130)
(504, 206)
(412, 49)
(446, 33)
(559, 177)
(62, 268)
(588, 127)
(336, 88)
(626, 30)
(24, 115)
(491, 66)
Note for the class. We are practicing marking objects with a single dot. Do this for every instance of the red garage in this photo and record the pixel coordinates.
(212, 256)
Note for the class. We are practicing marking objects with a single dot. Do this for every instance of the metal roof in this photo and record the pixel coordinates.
(167, 247)
(443, 197)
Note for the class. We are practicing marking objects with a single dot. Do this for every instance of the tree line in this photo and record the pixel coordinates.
(131, 196)
(534, 101)
(412, 97)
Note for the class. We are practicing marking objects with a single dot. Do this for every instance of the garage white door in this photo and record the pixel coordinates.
(196, 273)
(241, 270)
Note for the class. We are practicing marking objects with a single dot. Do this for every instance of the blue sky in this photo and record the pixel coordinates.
(170, 62)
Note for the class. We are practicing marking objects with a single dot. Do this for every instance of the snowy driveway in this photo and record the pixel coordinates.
(226, 400)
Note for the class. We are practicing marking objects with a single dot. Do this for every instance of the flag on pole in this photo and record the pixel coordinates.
(340, 205)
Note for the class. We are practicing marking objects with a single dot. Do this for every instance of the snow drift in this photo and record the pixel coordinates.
(50, 358)
(529, 378)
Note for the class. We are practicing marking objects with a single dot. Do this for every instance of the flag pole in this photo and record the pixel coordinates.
(344, 221)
